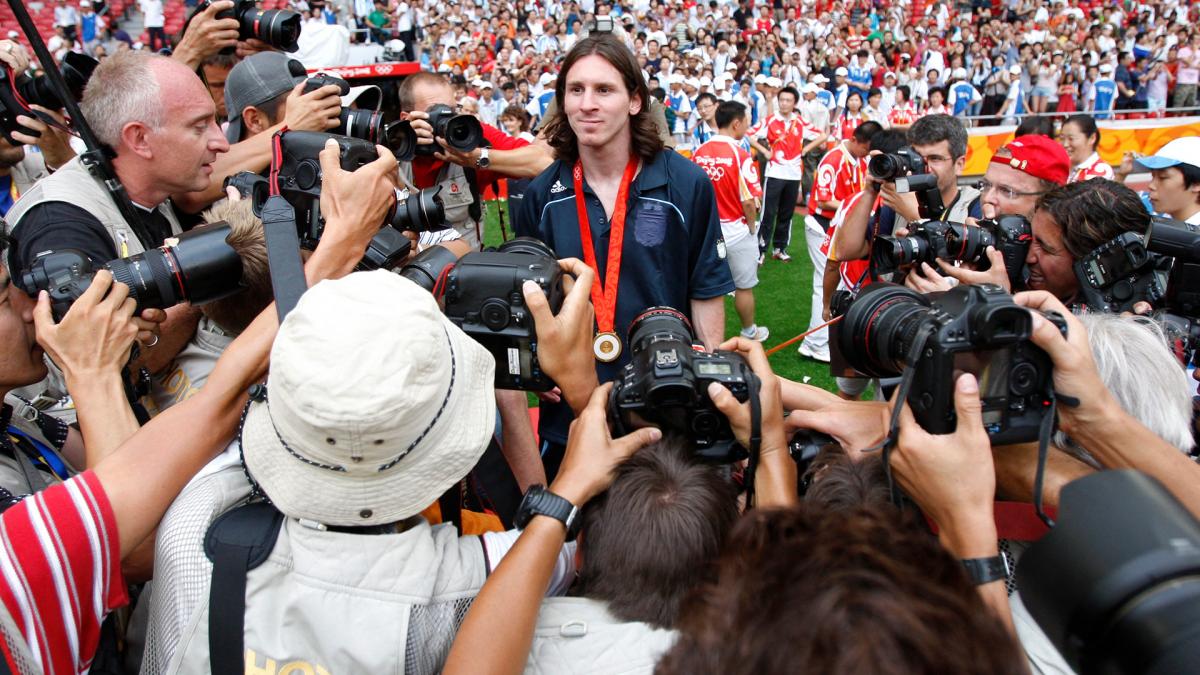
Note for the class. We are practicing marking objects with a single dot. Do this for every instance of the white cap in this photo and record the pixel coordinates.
(478, 83)
(1106, 67)
(731, 66)
(675, 78)
(820, 79)
(1014, 69)
(810, 88)
(959, 73)
(13, 35)
(546, 79)
(841, 71)
(889, 74)
(692, 82)
(84, 3)
(774, 82)
(1179, 151)
(706, 82)
(760, 79)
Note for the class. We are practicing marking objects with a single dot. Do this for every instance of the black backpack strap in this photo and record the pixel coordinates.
(237, 542)
(475, 210)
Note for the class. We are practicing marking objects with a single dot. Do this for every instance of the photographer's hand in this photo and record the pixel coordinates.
(903, 203)
(565, 339)
(14, 56)
(924, 279)
(996, 274)
(855, 425)
(422, 127)
(91, 345)
(54, 142)
(775, 480)
(953, 480)
(592, 453)
(206, 35)
(354, 205)
(315, 111)
(248, 48)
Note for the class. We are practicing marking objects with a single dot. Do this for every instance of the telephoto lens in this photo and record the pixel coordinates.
(878, 328)
(279, 28)
(925, 243)
(196, 267)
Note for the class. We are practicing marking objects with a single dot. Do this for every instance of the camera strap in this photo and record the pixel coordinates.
(283, 242)
(607, 346)
(754, 386)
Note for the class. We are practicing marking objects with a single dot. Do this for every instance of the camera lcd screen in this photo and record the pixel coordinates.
(706, 368)
(990, 367)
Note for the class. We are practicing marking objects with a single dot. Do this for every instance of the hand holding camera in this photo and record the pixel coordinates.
(737, 412)
(316, 110)
(355, 203)
(14, 56)
(211, 30)
(951, 476)
(95, 336)
(53, 141)
(565, 339)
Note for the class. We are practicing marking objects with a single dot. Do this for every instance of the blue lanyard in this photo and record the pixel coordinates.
(46, 455)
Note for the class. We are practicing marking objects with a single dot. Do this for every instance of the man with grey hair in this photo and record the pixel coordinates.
(159, 122)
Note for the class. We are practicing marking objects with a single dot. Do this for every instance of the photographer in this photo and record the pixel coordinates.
(941, 141)
(21, 167)
(263, 94)
(637, 505)
(461, 173)
(102, 515)
(159, 120)
(1018, 175)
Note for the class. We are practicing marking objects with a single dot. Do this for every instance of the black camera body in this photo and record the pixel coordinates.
(365, 124)
(279, 28)
(665, 384)
(483, 297)
(198, 266)
(19, 91)
(1180, 241)
(463, 133)
(1119, 273)
(925, 243)
(975, 329)
(300, 176)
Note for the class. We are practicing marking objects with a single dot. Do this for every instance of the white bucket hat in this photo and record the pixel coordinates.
(376, 404)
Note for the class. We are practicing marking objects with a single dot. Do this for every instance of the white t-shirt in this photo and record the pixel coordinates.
(152, 11)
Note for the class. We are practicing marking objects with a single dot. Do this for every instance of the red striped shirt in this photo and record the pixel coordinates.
(60, 571)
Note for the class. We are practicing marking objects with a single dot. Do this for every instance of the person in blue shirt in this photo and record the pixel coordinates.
(672, 252)
(1106, 93)
(962, 94)
(859, 74)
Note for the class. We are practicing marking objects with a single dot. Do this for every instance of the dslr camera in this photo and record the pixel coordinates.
(279, 28)
(931, 240)
(482, 294)
(18, 91)
(299, 176)
(1119, 273)
(365, 124)
(665, 384)
(975, 329)
(907, 170)
(198, 266)
(463, 133)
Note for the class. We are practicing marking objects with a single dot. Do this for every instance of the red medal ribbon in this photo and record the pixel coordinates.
(604, 298)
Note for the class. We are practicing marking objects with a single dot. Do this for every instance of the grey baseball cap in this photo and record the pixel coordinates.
(258, 79)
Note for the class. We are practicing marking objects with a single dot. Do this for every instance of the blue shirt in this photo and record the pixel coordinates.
(1106, 95)
(88, 22)
(825, 96)
(672, 253)
(963, 92)
(860, 77)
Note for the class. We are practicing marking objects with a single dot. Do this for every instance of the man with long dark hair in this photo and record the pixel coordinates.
(643, 217)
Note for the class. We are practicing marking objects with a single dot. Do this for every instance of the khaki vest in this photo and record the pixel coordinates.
(328, 602)
(13, 476)
(456, 198)
(72, 184)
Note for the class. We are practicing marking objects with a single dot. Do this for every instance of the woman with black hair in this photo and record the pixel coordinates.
(1080, 138)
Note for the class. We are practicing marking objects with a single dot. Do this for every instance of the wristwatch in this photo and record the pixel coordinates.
(483, 162)
(986, 570)
(539, 501)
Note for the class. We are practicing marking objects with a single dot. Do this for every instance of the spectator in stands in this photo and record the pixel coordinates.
(66, 17)
(153, 20)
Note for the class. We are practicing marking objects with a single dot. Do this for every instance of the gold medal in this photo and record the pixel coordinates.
(606, 347)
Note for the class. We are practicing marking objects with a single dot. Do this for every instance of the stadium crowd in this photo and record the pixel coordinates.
(267, 395)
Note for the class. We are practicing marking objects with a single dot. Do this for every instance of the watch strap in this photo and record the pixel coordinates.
(539, 501)
(986, 570)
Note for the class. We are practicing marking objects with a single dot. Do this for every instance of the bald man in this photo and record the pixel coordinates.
(159, 120)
